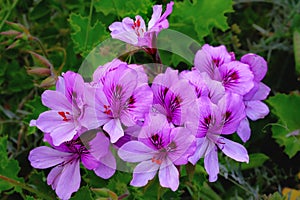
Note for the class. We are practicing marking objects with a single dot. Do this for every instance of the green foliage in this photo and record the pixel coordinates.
(59, 31)
(83, 193)
(255, 160)
(9, 169)
(84, 35)
(274, 196)
(296, 41)
(209, 14)
(286, 131)
(122, 8)
(39, 182)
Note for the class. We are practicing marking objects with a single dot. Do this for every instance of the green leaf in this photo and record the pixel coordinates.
(119, 183)
(30, 198)
(196, 18)
(123, 8)
(105, 193)
(255, 160)
(208, 193)
(83, 193)
(85, 36)
(286, 131)
(38, 181)
(9, 169)
(15, 78)
(296, 43)
(274, 196)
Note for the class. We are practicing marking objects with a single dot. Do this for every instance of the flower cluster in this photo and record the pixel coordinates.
(178, 118)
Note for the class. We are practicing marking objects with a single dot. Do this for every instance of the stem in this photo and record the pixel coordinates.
(8, 13)
(25, 187)
(89, 24)
(41, 46)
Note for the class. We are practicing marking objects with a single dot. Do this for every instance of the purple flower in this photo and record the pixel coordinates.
(221, 66)
(120, 98)
(65, 158)
(255, 108)
(210, 122)
(172, 96)
(204, 86)
(67, 104)
(135, 32)
(159, 148)
(236, 77)
(209, 58)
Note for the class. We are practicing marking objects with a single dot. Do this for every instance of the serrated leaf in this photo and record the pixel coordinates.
(119, 183)
(29, 198)
(274, 196)
(9, 169)
(83, 193)
(255, 160)
(123, 8)
(287, 109)
(200, 16)
(84, 35)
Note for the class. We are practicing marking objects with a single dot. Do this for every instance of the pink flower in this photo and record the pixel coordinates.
(159, 148)
(67, 104)
(136, 33)
(210, 122)
(65, 158)
(119, 97)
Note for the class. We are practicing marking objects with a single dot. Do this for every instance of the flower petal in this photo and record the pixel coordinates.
(158, 21)
(257, 64)
(69, 180)
(135, 151)
(114, 129)
(262, 92)
(203, 148)
(54, 176)
(139, 104)
(211, 165)
(256, 110)
(144, 172)
(56, 101)
(244, 130)
(168, 175)
(184, 143)
(123, 31)
(107, 166)
(44, 157)
(236, 77)
(235, 151)
(233, 111)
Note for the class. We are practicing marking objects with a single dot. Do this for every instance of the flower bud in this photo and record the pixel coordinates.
(40, 71)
